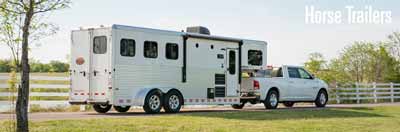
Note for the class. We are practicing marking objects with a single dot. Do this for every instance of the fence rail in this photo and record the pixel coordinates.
(371, 92)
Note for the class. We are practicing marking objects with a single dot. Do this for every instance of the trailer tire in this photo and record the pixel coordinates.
(239, 106)
(173, 101)
(122, 109)
(101, 108)
(322, 98)
(153, 102)
(288, 104)
(272, 99)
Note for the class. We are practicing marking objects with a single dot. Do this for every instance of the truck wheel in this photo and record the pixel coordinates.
(239, 106)
(101, 108)
(152, 102)
(122, 109)
(172, 102)
(322, 99)
(272, 99)
(288, 104)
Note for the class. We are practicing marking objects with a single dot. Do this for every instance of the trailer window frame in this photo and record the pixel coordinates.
(99, 44)
(125, 46)
(254, 53)
(170, 49)
(150, 53)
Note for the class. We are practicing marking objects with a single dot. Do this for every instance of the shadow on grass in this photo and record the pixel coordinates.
(290, 114)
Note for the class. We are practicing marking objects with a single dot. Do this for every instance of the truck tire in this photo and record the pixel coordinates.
(272, 99)
(101, 108)
(153, 102)
(239, 106)
(122, 109)
(288, 104)
(322, 98)
(172, 102)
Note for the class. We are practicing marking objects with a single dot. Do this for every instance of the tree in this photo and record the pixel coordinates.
(29, 12)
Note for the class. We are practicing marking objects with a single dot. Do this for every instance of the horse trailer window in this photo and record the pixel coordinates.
(232, 62)
(127, 47)
(171, 51)
(100, 45)
(150, 49)
(255, 57)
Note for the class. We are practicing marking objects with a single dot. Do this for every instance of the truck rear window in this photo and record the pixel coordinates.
(100, 45)
(254, 57)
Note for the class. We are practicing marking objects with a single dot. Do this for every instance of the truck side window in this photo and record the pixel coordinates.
(150, 49)
(127, 47)
(304, 74)
(293, 73)
(232, 62)
(254, 57)
(100, 45)
(171, 51)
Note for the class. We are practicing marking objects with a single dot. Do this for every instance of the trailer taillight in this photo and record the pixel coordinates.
(256, 85)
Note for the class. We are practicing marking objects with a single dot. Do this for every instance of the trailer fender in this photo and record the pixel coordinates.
(141, 95)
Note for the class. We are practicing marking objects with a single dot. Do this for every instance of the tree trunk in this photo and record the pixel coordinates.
(23, 91)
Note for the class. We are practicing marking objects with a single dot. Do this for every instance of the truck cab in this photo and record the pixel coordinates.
(285, 84)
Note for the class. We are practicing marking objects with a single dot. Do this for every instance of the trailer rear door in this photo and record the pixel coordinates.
(80, 61)
(90, 62)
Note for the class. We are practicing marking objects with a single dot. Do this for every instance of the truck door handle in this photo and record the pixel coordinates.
(94, 72)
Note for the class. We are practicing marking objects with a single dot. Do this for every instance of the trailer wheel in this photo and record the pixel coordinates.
(322, 99)
(288, 104)
(152, 103)
(122, 108)
(239, 106)
(101, 108)
(272, 99)
(172, 102)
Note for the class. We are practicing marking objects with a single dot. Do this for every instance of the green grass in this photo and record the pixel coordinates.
(336, 120)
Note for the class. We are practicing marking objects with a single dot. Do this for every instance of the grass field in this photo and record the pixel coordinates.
(332, 119)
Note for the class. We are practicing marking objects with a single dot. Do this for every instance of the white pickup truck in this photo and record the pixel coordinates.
(286, 84)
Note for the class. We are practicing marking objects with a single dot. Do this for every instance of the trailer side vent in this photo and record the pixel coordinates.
(198, 29)
(220, 85)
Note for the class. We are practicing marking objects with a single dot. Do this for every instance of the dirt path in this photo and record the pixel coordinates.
(140, 113)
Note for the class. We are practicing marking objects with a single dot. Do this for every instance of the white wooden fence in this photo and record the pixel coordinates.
(6, 105)
(350, 93)
(366, 93)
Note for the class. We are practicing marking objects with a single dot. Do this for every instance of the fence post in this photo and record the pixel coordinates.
(375, 95)
(82, 107)
(357, 93)
(337, 94)
(391, 92)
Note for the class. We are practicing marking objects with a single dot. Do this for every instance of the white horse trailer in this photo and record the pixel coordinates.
(125, 66)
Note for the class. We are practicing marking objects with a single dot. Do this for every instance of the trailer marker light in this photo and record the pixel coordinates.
(256, 85)
(96, 93)
(82, 93)
(75, 93)
(103, 93)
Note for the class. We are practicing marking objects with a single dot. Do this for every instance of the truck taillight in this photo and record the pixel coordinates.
(256, 85)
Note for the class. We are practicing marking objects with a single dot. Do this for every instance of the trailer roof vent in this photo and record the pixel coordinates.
(198, 29)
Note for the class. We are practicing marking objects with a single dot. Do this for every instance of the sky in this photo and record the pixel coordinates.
(281, 23)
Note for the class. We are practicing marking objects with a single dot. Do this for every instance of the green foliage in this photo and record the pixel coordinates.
(36, 66)
(359, 62)
(5, 65)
